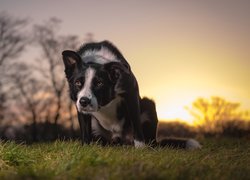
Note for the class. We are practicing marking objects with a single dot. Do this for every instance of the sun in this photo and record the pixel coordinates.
(174, 112)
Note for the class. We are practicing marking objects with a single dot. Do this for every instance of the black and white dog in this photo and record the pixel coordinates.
(107, 98)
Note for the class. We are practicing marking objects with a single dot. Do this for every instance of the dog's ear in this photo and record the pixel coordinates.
(71, 61)
(115, 70)
(71, 58)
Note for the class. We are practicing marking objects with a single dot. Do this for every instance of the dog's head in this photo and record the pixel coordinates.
(92, 85)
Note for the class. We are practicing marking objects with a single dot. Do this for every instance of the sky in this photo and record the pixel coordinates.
(178, 50)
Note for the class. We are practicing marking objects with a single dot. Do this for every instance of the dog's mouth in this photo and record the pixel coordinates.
(87, 105)
(87, 109)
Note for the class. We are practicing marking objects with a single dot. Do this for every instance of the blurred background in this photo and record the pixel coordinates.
(191, 57)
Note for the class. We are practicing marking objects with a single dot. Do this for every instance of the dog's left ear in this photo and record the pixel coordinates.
(115, 70)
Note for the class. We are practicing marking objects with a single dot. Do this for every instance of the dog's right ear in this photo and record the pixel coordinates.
(71, 61)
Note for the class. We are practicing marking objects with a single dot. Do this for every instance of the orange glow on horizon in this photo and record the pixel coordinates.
(186, 72)
(174, 113)
(178, 51)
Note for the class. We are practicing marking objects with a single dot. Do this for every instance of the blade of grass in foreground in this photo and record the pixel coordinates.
(218, 159)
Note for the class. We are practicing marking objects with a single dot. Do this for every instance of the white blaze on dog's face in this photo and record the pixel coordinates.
(94, 87)
(86, 100)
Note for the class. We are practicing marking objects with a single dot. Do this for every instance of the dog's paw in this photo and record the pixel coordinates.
(139, 144)
(116, 141)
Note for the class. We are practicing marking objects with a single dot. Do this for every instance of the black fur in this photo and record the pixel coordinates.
(117, 80)
(113, 75)
(106, 44)
(149, 127)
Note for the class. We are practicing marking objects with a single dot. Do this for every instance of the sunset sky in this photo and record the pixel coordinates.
(178, 50)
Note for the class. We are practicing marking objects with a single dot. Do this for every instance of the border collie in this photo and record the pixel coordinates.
(106, 94)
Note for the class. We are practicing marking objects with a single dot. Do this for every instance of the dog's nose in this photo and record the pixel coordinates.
(84, 101)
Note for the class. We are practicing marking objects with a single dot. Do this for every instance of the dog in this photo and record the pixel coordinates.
(106, 94)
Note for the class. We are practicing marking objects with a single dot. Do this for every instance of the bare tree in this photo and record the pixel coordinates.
(2, 100)
(210, 114)
(51, 68)
(12, 39)
(12, 44)
(28, 94)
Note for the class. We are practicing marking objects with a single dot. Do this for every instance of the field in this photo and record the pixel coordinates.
(218, 159)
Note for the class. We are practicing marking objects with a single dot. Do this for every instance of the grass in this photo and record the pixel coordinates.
(218, 159)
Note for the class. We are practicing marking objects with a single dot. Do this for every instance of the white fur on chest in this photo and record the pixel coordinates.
(107, 117)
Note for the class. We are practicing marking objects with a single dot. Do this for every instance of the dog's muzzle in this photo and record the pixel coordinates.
(84, 102)
(86, 105)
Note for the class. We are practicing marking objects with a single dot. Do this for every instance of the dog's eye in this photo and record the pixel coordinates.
(78, 83)
(99, 83)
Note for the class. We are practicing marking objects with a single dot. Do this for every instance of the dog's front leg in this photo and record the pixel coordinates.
(85, 127)
(133, 108)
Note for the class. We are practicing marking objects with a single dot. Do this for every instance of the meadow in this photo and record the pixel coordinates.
(224, 158)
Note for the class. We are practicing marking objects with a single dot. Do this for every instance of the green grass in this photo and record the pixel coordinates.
(218, 159)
